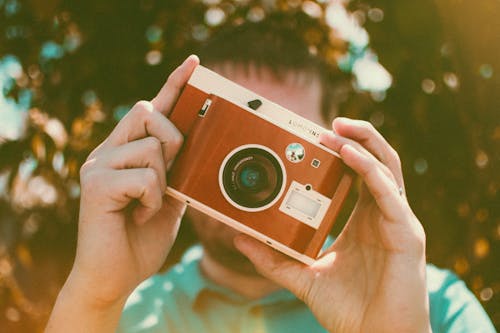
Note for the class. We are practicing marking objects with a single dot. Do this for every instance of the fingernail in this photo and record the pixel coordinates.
(323, 136)
(191, 57)
(346, 146)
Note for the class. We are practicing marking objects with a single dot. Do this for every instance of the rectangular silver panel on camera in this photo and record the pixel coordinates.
(304, 204)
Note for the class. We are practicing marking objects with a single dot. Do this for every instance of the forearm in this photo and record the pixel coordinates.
(75, 312)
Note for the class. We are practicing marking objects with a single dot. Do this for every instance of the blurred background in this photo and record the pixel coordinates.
(425, 73)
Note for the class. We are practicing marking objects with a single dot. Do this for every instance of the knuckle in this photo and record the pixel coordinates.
(91, 181)
(171, 76)
(86, 168)
(158, 201)
(177, 141)
(153, 145)
(395, 157)
(369, 127)
(387, 171)
(366, 168)
(420, 238)
(142, 109)
(150, 178)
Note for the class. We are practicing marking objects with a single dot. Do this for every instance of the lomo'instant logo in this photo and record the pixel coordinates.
(302, 127)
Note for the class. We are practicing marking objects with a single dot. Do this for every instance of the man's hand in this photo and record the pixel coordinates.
(127, 226)
(372, 279)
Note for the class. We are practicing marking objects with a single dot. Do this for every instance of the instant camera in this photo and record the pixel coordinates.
(256, 166)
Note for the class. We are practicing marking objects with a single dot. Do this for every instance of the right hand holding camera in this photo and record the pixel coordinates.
(127, 226)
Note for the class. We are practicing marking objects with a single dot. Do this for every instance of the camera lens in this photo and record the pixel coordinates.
(252, 177)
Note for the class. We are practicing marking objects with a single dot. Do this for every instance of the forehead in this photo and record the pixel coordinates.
(297, 91)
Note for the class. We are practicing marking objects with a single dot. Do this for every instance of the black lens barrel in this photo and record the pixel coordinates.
(252, 177)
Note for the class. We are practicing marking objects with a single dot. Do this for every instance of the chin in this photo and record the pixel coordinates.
(217, 240)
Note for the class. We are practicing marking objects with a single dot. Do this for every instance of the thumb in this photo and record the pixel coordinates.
(277, 267)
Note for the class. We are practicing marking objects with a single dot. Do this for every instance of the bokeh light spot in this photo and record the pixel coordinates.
(120, 111)
(376, 15)
(360, 16)
(486, 71)
(200, 32)
(55, 129)
(51, 50)
(482, 215)
(481, 248)
(89, 97)
(154, 57)
(428, 86)
(370, 75)
(346, 26)
(312, 9)
(73, 189)
(12, 314)
(446, 50)
(41, 189)
(12, 67)
(154, 34)
(12, 7)
(215, 16)
(5, 267)
(256, 14)
(420, 166)
(31, 225)
(58, 161)
(461, 266)
(211, 2)
(486, 294)
(482, 159)
(451, 80)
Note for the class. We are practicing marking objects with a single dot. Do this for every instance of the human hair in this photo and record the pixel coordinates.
(275, 43)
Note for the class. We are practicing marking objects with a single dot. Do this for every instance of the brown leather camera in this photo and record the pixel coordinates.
(256, 166)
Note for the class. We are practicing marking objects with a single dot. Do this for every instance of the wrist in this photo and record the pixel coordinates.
(89, 294)
(77, 310)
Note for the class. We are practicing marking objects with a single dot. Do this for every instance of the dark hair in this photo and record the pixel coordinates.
(274, 43)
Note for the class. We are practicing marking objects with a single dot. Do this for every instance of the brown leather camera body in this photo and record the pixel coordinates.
(212, 133)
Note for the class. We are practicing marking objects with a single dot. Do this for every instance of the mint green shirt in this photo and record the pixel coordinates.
(182, 300)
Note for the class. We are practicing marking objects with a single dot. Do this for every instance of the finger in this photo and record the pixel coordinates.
(142, 185)
(364, 133)
(171, 90)
(384, 191)
(122, 187)
(336, 142)
(143, 153)
(275, 266)
(162, 226)
(143, 121)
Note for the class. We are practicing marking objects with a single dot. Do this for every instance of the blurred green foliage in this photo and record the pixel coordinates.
(84, 63)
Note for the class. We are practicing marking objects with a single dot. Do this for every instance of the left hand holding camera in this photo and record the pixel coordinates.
(373, 277)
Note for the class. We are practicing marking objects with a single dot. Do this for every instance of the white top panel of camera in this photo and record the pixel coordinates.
(304, 204)
(213, 83)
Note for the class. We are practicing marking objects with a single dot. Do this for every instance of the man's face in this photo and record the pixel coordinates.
(298, 92)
